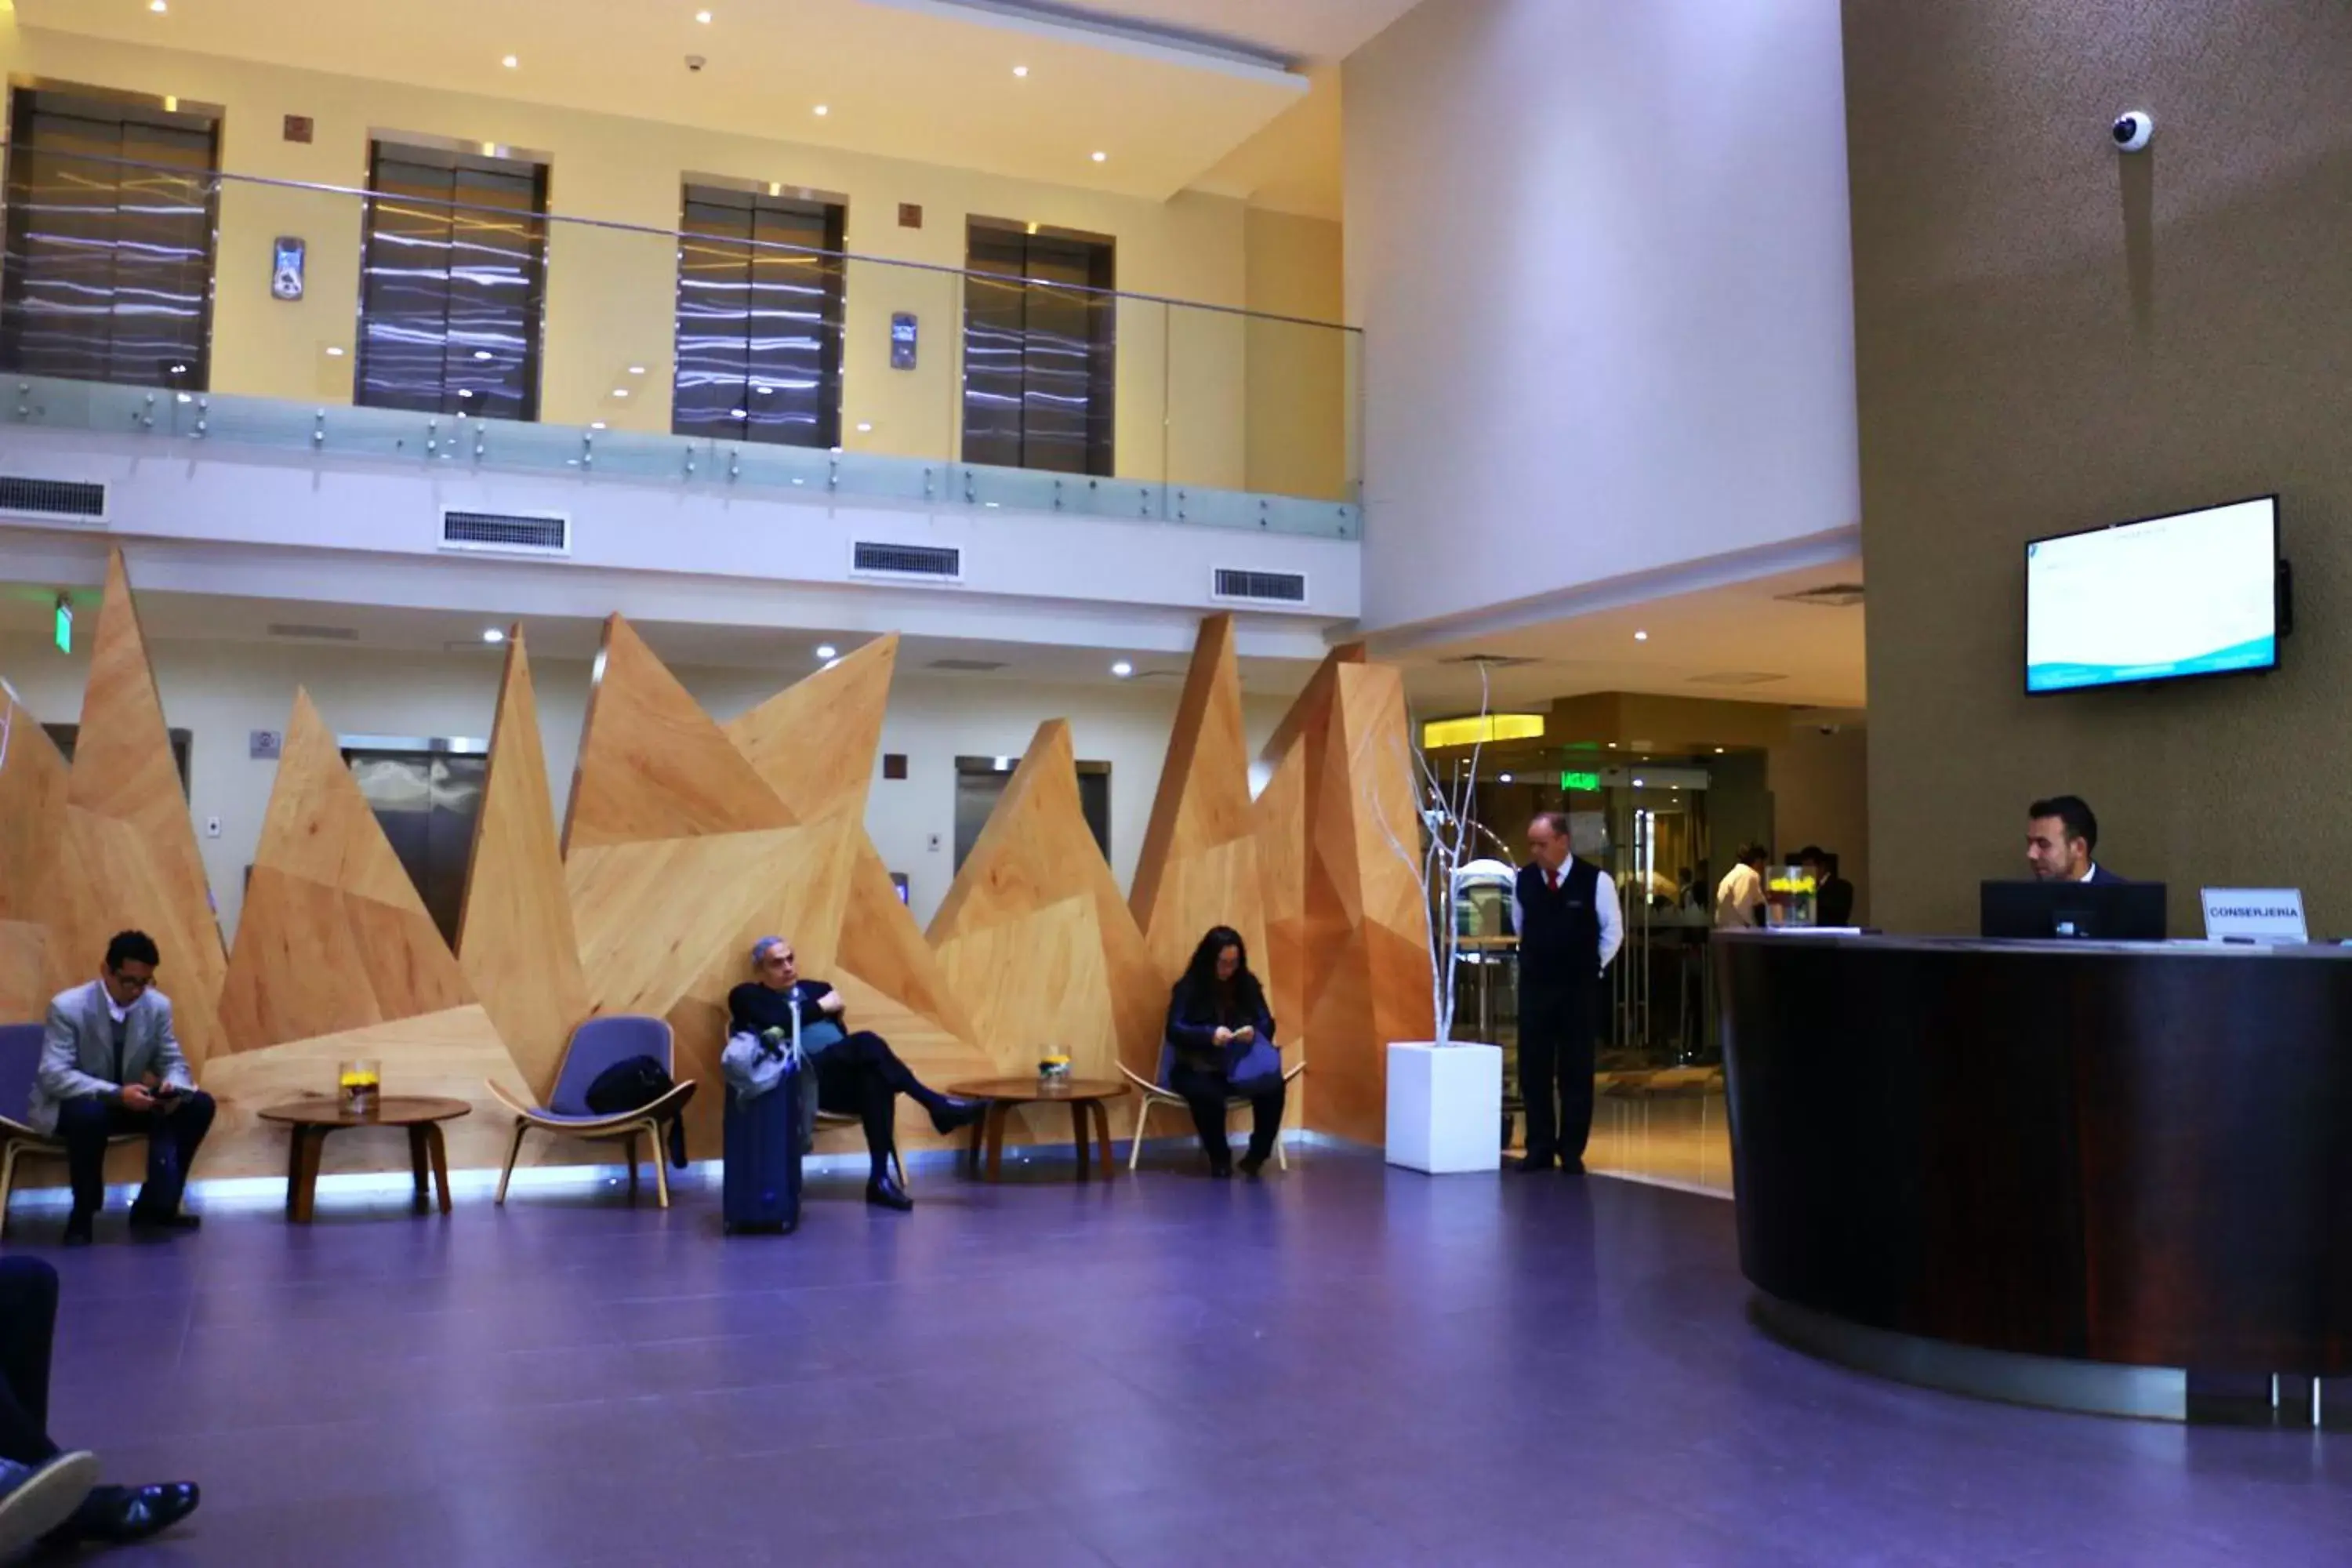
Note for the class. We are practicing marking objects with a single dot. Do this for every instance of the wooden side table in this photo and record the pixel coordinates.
(1084, 1097)
(313, 1118)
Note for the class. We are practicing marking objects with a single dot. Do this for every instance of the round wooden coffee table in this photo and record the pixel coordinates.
(312, 1119)
(1084, 1097)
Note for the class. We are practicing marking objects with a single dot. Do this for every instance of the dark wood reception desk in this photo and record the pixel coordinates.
(2105, 1156)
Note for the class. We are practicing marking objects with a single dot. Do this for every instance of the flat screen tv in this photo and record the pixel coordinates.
(2166, 598)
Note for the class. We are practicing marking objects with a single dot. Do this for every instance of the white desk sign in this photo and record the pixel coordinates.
(2254, 914)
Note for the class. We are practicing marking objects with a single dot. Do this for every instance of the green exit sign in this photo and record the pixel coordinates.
(1581, 784)
(63, 632)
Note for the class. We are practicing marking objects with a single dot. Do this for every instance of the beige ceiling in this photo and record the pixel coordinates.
(918, 79)
(1814, 655)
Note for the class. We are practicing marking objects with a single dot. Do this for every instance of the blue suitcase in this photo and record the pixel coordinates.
(760, 1184)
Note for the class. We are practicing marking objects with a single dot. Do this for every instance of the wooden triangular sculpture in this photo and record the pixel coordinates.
(130, 852)
(679, 855)
(337, 959)
(1346, 913)
(515, 940)
(32, 851)
(1035, 938)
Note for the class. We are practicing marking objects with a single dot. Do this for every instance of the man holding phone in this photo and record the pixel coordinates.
(111, 1063)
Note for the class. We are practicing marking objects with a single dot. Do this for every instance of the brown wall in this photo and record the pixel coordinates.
(1820, 794)
(2052, 336)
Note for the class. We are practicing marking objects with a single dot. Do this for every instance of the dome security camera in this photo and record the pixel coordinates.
(696, 62)
(2133, 130)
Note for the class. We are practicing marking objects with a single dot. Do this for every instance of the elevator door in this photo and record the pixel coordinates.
(427, 803)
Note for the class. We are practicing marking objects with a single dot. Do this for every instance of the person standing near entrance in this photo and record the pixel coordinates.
(1566, 912)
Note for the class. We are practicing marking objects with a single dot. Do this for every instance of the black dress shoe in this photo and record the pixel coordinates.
(1532, 1162)
(121, 1514)
(1220, 1170)
(1574, 1167)
(155, 1224)
(78, 1229)
(950, 1113)
(1252, 1163)
(884, 1191)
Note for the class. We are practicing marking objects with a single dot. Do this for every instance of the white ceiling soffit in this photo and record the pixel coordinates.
(1324, 30)
(928, 81)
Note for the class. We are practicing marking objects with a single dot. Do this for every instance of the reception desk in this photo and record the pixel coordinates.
(2106, 1176)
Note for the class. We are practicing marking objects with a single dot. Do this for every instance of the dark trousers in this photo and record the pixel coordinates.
(85, 1125)
(28, 1319)
(1208, 1093)
(862, 1077)
(1556, 1054)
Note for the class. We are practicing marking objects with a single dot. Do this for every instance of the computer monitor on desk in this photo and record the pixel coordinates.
(2100, 911)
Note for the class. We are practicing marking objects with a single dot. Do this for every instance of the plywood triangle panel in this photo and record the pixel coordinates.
(130, 849)
(1035, 938)
(333, 936)
(1200, 862)
(32, 839)
(515, 939)
(813, 741)
(653, 766)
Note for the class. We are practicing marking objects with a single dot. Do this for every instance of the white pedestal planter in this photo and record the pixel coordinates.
(1446, 1108)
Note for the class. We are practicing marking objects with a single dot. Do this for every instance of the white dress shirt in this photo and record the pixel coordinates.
(1605, 909)
(1740, 893)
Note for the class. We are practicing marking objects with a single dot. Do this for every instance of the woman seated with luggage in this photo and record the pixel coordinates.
(1215, 1015)
(856, 1073)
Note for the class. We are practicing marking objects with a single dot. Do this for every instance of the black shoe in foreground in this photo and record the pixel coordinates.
(39, 1498)
(1251, 1164)
(121, 1514)
(1574, 1167)
(148, 1222)
(950, 1113)
(884, 1191)
(1532, 1162)
(78, 1229)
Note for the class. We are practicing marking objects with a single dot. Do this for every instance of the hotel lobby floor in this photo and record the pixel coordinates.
(1344, 1364)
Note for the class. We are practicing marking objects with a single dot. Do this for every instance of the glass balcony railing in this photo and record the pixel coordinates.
(162, 304)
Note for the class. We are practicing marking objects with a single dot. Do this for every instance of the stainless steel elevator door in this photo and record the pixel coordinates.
(426, 804)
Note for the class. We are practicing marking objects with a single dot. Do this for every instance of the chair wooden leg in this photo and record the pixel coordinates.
(1142, 1114)
(420, 1161)
(7, 1181)
(438, 1149)
(1080, 1136)
(1102, 1139)
(629, 1147)
(661, 1165)
(514, 1152)
(1281, 1156)
(898, 1162)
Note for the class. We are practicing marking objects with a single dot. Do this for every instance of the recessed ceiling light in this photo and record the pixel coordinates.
(703, 18)
(1641, 636)
(1102, 157)
(481, 354)
(465, 391)
(738, 414)
(1637, 783)
(334, 350)
(511, 62)
(824, 108)
(1020, 71)
(596, 425)
(620, 392)
(864, 426)
(492, 633)
(826, 650)
(1122, 669)
(158, 6)
(1506, 778)
(1612, 746)
(636, 370)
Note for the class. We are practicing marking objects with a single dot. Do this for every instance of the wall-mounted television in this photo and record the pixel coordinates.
(2165, 598)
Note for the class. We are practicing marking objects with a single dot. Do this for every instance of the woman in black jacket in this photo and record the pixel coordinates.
(1217, 1004)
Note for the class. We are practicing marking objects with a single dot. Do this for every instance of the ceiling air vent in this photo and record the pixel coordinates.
(1828, 595)
(1260, 587)
(967, 665)
(303, 633)
(932, 563)
(1737, 678)
(59, 500)
(1492, 660)
(507, 533)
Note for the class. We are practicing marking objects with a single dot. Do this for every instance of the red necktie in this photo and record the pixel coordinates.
(1551, 881)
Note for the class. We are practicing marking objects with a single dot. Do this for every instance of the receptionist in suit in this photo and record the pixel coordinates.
(2061, 836)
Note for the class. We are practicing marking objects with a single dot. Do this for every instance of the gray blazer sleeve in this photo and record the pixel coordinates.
(170, 1063)
(61, 1076)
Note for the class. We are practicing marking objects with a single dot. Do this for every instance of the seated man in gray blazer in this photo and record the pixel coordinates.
(111, 1063)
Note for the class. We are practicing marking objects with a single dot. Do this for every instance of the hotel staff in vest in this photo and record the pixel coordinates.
(1566, 912)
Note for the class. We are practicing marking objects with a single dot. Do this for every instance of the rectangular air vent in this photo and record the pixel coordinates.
(1260, 587)
(1737, 678)
(1492, 660)
(968, 666)
(302, 632)
(509, 533)
(1828, 595)
(934, 563)
(60, 500)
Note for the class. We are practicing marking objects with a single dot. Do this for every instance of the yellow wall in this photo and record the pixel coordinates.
(1297, 430)
(1183, 388)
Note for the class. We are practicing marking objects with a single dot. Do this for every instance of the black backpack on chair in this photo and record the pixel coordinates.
(631, 1085)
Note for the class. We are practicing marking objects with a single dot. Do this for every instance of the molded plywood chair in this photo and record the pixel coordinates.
(1158, 1093)
(595, 1045)
(20, 1062)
